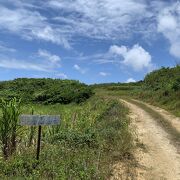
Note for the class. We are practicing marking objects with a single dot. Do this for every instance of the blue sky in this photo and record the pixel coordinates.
(92, 41)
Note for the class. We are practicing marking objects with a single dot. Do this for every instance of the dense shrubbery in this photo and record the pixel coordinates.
(46, 90)
(163, 79)
(162, 88)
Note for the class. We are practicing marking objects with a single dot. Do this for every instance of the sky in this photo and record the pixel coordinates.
(93, 41)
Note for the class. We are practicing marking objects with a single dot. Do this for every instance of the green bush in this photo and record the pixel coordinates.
(48, 91)
(162, 88)
(164, 78)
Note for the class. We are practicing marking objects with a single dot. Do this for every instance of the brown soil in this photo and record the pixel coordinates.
(156, 157)
(175, 121)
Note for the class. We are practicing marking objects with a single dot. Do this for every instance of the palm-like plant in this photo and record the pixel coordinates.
(8, 125)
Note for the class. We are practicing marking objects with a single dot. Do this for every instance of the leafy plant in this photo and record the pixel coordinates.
(9, 125)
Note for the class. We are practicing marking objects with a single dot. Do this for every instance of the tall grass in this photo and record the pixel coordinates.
(9, 125)
(84, 146)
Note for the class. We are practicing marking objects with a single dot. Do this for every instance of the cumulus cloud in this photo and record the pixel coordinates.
(104, 74)
(78, 68)
(130, 80)
(135, 57)
(169, 25)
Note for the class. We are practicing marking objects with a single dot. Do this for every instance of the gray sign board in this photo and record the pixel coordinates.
(38, 120)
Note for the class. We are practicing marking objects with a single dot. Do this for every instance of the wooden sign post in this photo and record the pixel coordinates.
(38, 143)
(39, 120)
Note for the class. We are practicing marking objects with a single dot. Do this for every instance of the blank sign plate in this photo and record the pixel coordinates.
(37, 120)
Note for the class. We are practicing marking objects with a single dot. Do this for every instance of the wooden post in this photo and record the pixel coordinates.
(39, 142)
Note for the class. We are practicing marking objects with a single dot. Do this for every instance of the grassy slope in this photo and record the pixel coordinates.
(160, 88)
(91, 136)
(171, 104)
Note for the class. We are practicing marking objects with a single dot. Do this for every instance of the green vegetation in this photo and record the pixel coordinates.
(91, 136)
(160, 87)
(47, 91)
(167, 79)
(94, 130)
(9, 125)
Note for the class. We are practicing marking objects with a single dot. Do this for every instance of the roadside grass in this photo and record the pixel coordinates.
(118, 137)
(91, 137)
(160, 87)
(170, 102)
(167, 126)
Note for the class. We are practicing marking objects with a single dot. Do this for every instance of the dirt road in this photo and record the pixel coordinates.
(175, 121)
(157, 158)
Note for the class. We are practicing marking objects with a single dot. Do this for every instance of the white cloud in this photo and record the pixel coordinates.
(78, 68)
(135, 57)
(52, 35)
(169, 25)
(130, 80)
(54, 59)
(19, 64)
(115, 19)
(30, 25)
(7, 49)
(62, 75)
(112, 20)
(104, 74)
(99, 58)
(42, 61)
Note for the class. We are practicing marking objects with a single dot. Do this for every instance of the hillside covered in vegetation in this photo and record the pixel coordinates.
(47, 91)
(91, 136)
(160, 87)
(166, 79)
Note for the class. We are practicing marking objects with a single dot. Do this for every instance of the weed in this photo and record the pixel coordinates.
(84, 146)
(9, 125)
